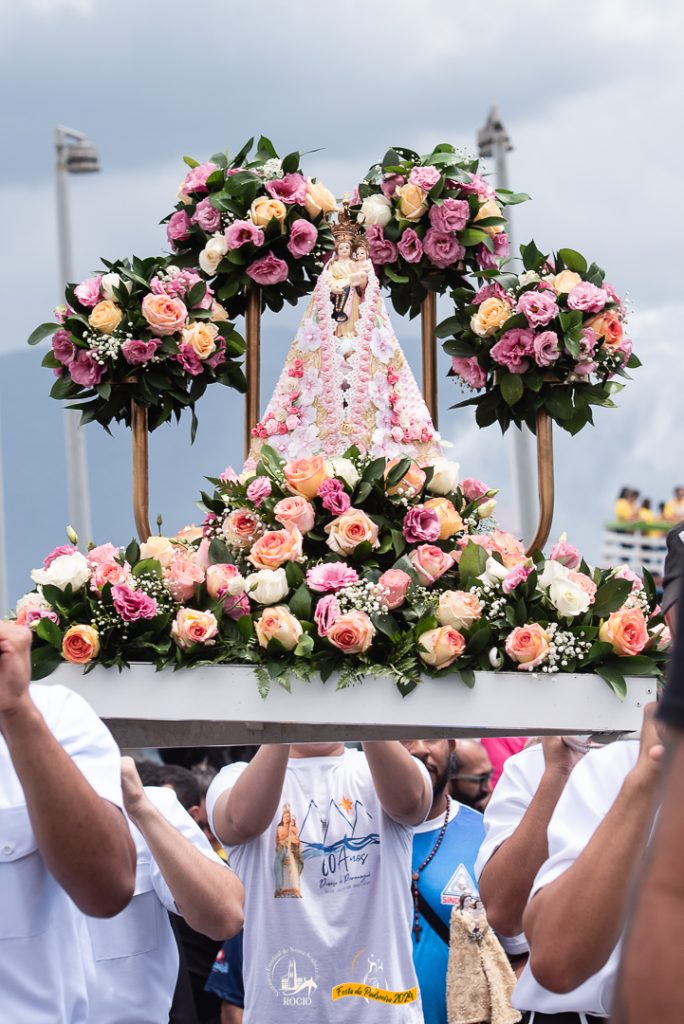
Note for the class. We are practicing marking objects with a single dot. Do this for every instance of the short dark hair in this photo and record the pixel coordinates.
(148, 772)
(182, 781)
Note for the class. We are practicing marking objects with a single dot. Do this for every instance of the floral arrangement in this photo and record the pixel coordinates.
(428, 219)
(551, 338)
(144, 331)
(352, 565)
(253, 220)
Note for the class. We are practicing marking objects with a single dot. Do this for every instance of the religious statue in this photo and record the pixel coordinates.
(288, 863)
(346, 380)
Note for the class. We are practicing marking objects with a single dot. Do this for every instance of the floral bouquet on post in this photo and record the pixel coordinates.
(551, 338)
(143, 331)
(428, 219)
(253, 220)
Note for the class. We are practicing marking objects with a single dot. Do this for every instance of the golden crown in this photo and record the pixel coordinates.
(345, 229)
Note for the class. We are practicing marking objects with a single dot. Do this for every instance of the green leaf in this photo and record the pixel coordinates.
(452, 325)
(290, 163)
(42, 331)
(573, 260)
(511, 388)
(132, 553)
(305, 646)
(190, 161)
(374, 470)
(387, 624)
(245, 627)
(398, 472)
(467, 676)
(478, 641)
(50, 632)
(609, 597)
(196, 294)
(396, 278)
(300, 603)
(219, 553)
(44, 661)
(471, 564)
(559, 404)
(639, 665)
(406, 566)
(531, 256)
(148, 565)
(294, 573)
(614, 678)
(474, 236)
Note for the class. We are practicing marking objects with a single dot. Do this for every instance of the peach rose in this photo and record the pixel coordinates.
(275, 548)
(490, 209)
(241, 528)
(278, 623)
(410, 484)
(192, 627)
(201, 337)
(295, 512)
(352, 633)
(304, 476)
(528, 645)
(626, 631)
(565, 281)
(430, 563)
(159, 548)
(509, 547)
(163, 314)
(319, 199)
(393, 586)
(441, 647)
(189, 533)
(609, 327)
(349, 530)
(80, 644)
(182, 575)
(583, 581)
(219, 315)
(224, 580)
(105, 317)
(264, 209)
(109, 572)
(412, 201)
(450, 521)
(491, 315)
(459, 609)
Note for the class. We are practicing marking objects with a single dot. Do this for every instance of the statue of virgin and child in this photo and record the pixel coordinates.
(345, 380)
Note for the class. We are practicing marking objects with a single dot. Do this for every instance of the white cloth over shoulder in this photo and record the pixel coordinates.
(135, 953)
(43, 974)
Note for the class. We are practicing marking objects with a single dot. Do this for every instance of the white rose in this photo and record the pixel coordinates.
(267, 586)
(444, 477)
(494, 572)
(181, 196)
(568, 599)
(552, 572)
(108, 282)
(375, 209)
(65, 569)
(212, 254)
(477, 327)
(529, 277)
(346, 470)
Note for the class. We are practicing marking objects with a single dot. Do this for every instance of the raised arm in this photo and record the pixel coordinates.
(402, 786)
(83, 839)
(247, 809)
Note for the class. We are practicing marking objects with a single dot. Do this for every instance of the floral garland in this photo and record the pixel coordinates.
(144, 331)
(551, 338)
(255, 220)
(428, 219)
(354, 565)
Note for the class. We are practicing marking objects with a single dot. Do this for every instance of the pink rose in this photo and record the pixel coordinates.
(89, 292)
(473, 488)
(221, 577)
(390, 183)
(626, 631)
(566, 554)
(625, 573)
(333, 496)
(410, 247)
(63, 347)
(84, 370)
(241, 232)
(191, 627)
(352, 633)
(303, 236)
(63, 549)
(330, 577)
(132, 605)
(291, 188)
(178, 228)
(515, 577)
(259, 489)
(493, 290)
(164, 314)
(196, 178)
(440, 647)
(511, 349)
(421, 524)
(268, 270)
(327, 613)
(430, 563)
(138, 352)
(451, 215)
(528, 645)
(469, 370)
(424, 177)
(546, 348)
(442, 248)
(295, 512)
(380, 249)
(182, 575)
(539, 308)
(109, 572)
(276, 547)
(393, 586)
(103, 553)
(587, 297)
(206, 216)
(189, 360)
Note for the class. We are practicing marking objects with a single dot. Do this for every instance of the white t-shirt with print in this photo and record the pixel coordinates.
(135, 953)
(43, 972)
(328, 908)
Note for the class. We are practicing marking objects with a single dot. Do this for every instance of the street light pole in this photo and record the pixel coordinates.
(493, 140)
(75, 155)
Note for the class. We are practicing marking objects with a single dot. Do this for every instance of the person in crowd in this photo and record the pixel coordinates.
(472, 782)
(444, 850)
(64, 843)
(225, 980)
(499, 749)
(625, 506)
(646, 513)
(672, 575)
(674, 508)
(321, 837)
(597, 840)
(136, 957)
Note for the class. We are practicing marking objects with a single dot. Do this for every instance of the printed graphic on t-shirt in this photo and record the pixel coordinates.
(373, 985)
(293, 976)
(288, 863)
(460, 884)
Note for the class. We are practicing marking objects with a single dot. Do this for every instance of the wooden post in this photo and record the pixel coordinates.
(428, 323)
(141, 496)
(252, 361)
(544, 479)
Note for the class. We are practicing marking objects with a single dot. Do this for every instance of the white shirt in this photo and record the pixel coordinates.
(43, 974)
(512, 795)
(327, 900)
(588, 796)
(135, 953)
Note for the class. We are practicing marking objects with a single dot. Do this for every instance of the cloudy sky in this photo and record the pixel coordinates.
(591, 94)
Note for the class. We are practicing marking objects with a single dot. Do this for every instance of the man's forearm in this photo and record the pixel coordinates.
(402, 789)
(249, 807)
(84, 840)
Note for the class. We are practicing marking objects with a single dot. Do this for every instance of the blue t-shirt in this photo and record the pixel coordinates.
(450, 873)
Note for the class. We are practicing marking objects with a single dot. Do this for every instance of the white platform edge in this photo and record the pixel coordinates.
(220, 705)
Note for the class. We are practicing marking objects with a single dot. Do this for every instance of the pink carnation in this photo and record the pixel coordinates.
(103, 553)
(196, 179)
(132, 605)
(546, 348)
(442, 248)
(303, 237)
(515, 577)
(63, 347)
(89, 292)
(138, 352)
(326, 614)
(477, 186)
(492, 290)
(566, 554)
(381, 250)
(84, 370)
(112, 573)
(469, 370)
(178, 228)
(206, 216)
(424, 177)
(473, 489)
(331, 576)
(421, 524)
(333, 496)
(63, 549)
(451, 215)
(587, 297)
(390, 183)
(259, 489)
(625, 573)
(241, 232)
(539, 308)
(291, 188)
(189, 360)
(410, 247)
(268, 270)
(490, 260)
(511, 349)
(624, 350)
